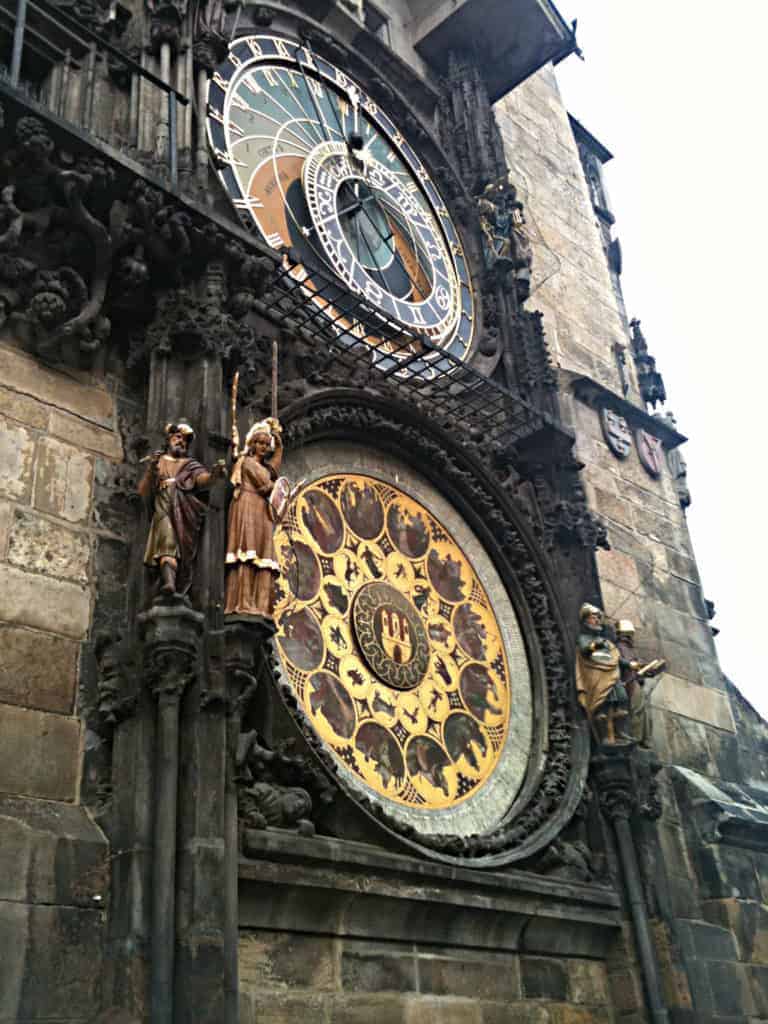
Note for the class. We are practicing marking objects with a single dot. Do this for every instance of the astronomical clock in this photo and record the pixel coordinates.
(316, 166)
(411, 650)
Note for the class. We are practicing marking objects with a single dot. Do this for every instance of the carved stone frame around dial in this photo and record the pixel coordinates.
(558, 764)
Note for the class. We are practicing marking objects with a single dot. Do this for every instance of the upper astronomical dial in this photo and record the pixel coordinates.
(309, 158)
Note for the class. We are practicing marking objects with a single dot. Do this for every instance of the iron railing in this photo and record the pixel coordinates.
(315, 306)
(50, 34)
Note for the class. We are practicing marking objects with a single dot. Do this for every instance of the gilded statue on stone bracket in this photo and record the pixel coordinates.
(610, 680)
(600, 689)
(633, 676)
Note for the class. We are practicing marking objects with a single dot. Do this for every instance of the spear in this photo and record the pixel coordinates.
(233, 407)
(274, 378)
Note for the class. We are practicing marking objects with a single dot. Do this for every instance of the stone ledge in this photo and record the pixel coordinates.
(327, 886)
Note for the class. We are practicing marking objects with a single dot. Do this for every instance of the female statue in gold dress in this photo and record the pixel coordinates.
(251, 566)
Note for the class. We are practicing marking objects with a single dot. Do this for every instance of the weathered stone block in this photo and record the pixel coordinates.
(747, 920)
(284, 1008)
(22, 373)
(43, 603)
(279, 960)
(588, 982)
(727, 872)
(39, 754)
(699, 703)
(378, 970)
(619, 568)
(614, 508)
(39, 545)
(37, 670)
(626, 990)
(486, 977)
(515, 1013)
(51, 962)
(51, 853)
(6, 518)
(442, 1011)
(86, 435)
(17, 452)
(731, 989)
(706, 941)
(368, 1009)
(63, 481)
(565, 1014)
(543, 979)
(21, 407)
(758, 982)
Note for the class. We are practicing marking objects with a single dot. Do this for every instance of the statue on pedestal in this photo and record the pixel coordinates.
(250, 559)
(172, 483)
(600, 689)
(506, 243)
(633, 676)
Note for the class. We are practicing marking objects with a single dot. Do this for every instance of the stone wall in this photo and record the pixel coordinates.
(649, 575)
(327, 980)
(57, 432)
(705, 881)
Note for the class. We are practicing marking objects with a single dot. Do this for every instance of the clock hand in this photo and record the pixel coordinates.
(395, 253)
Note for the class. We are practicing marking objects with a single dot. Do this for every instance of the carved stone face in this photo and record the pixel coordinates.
(616, 432)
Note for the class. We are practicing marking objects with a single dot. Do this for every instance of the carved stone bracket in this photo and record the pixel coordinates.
(170, 632)
(624, 777)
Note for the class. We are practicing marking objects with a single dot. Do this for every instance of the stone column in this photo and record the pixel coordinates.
(171, 634)
(245, 657)
(616, 781)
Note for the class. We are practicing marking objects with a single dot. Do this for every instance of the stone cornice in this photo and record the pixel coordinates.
(596, 395)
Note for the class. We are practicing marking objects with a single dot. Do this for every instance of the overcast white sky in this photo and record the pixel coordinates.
(676, 90)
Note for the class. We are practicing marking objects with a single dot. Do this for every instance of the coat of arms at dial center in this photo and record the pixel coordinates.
(390, 635)
(392, 648)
